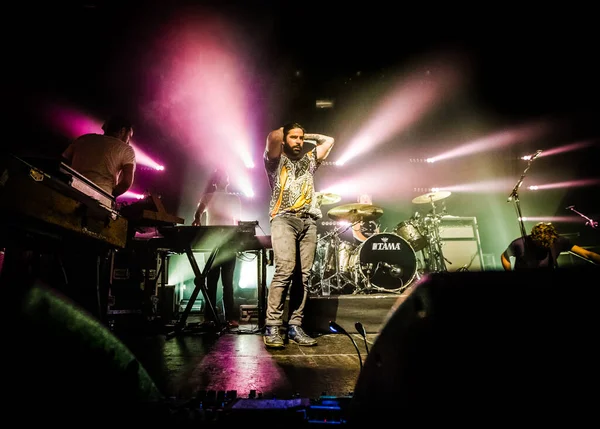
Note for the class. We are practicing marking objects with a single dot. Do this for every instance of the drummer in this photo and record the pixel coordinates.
(361, 231)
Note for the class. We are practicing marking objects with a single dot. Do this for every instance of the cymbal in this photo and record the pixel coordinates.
(432, 196)
(325, 198)
(355, 212)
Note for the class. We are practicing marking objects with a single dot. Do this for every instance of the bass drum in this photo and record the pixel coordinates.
(387, 260)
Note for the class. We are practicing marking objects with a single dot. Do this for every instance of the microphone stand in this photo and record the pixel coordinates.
(590, 222)
(514, 196)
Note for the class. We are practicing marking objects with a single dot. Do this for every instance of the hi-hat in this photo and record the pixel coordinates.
(430, 197)
(325, 198)
(355, 212)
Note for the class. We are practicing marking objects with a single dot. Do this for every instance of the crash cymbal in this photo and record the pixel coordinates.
(325, 198)
(355, 212)
(432, 196)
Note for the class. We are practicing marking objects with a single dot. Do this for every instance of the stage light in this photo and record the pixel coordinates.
(132, 195)
(324, 104)
(533, 188)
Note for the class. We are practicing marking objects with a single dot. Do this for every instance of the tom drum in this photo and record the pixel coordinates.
(409, 230)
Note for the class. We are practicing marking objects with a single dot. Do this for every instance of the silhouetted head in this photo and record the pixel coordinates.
(544, 234)
(220, 179)
(119, 127)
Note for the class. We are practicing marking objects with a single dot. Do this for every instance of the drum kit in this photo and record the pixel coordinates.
(385, 261)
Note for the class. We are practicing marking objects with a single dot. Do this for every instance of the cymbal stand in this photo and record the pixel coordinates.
(436, 261)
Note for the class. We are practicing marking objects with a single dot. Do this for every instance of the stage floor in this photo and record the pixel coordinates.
(238, 360)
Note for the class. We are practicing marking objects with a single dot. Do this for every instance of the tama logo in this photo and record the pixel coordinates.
(384, 245)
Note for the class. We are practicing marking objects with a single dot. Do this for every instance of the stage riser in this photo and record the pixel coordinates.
(346, 310)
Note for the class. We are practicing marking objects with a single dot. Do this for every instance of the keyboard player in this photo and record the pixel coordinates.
(106, 159)
(109, 161)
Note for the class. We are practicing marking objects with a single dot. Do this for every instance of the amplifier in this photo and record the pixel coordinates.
(455, 228)
(461, 244)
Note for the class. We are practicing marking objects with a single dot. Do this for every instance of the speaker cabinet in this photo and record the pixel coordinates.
(461, 245)
(469, 347)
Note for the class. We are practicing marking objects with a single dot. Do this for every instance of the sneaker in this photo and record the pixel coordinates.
(298, 336)
(272, 337)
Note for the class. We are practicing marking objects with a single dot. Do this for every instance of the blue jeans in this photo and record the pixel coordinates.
(294, 243)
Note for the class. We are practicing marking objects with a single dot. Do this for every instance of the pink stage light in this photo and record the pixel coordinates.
(567, 148)
(495, 141)
(204, 94)
(569, 184)
(130, 195)
(406, 104)
(143, 159)
(557, 219)
(496, 185)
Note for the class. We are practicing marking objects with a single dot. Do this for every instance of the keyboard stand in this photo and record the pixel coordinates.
(200, 285)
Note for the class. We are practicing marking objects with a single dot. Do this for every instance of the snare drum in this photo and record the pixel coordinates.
(387, 260)
(409, 230)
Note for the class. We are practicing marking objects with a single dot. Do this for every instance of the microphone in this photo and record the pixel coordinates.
(534, 156)
(363, 333)
(569, 208)
(337, 329)
(395, 271)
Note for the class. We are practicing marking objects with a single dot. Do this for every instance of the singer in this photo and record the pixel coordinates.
(541, 248)
(293, 211)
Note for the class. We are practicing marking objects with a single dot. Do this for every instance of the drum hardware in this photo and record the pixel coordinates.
(466, 266)
(435, 260)
(336, 257)
(353, 214)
